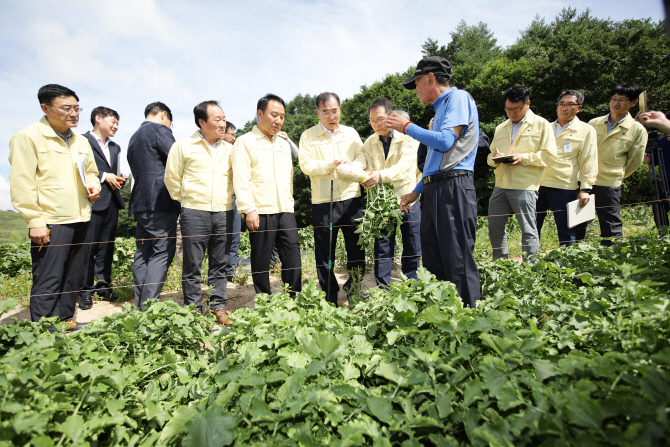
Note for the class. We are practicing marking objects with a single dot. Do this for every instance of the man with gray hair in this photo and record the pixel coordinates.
(391, 158)
(577, 161)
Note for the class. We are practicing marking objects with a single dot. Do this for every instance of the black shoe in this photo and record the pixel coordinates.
(86, 302)
(113, 297)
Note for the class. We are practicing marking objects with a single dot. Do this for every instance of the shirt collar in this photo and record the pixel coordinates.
(567, 125)
(213, 146)
(99, 139)
(607, 120)
(332, 134)
(443, 97)
(389, 138)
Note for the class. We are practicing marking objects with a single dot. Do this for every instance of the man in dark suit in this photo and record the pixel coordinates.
(156, 213)
(105, 215)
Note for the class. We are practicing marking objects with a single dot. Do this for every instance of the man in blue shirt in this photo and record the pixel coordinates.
(449, 215)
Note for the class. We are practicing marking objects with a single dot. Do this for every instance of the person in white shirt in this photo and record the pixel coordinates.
(105, 215)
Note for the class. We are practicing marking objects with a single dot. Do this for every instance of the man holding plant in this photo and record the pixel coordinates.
(391, 156)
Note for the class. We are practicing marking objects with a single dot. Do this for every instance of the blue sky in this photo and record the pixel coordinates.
(126, 54)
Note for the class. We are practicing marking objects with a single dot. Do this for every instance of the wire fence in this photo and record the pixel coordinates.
(366, 259)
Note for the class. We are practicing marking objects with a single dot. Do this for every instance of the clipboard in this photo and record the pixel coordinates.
(82, 171)
(577, 215)
(503, 159)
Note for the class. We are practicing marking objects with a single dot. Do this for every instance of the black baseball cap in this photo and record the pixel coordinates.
(431, 64)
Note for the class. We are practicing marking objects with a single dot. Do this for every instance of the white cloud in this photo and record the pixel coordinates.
(5, 200)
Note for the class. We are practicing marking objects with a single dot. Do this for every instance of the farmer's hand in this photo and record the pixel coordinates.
(374, 179)
(407, 199)
(253, 221)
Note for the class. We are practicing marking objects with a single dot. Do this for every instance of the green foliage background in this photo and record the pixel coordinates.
(576, 51)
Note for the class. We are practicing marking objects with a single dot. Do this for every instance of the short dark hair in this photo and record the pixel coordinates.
(103, 112)
(157, 107)
(200, 111)
(50, 91)
(264, 101)
(518, 93)
(325, 96)
(442, 80)
(381, 102)
(229, 126)
(577, 93)
(627, 89)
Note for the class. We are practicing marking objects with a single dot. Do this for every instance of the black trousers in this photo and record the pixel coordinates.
(345, 213)
(448, 225)
(102, 230)
(281, 229)
(608, 209)
(154, 255)
(59, 271)
(205, 231)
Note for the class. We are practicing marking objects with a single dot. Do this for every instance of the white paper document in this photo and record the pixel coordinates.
(577, 215)
(82, 171)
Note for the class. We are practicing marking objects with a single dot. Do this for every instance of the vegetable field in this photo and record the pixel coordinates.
(572, 351)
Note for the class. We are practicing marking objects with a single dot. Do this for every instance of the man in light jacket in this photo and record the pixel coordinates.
(322, 148)
(621, 145)
(198, 174)
(529, 142)
(391, 156)
(263, 179)
(53, 182)
(577, 161)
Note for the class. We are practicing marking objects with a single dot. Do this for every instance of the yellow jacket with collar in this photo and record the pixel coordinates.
(317, 152)
(45, 184)
(399, 168)
(263, 174)
(576, 161)
(198, 176)
(620, 152)
(535, 141)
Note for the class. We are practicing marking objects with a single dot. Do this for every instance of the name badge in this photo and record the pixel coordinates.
(567, 147)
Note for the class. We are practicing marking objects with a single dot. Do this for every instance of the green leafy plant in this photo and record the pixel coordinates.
(382, 212)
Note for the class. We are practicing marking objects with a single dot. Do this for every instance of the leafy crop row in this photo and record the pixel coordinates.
(572, 351)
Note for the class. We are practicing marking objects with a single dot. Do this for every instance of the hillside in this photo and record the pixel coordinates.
(12, 227)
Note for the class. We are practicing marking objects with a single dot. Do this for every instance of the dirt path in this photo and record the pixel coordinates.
(238, 296)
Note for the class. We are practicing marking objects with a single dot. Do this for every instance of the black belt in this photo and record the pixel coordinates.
(445, 175)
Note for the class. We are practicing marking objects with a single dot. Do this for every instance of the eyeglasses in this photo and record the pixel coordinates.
(514, 109)
(329, 114)
(567, 104)
(378, 121)
(69, 109)
(230, 133)
(619, 100)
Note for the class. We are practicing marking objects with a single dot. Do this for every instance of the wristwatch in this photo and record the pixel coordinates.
(587, 190)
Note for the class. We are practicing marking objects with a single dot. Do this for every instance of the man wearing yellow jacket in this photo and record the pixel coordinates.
(198, 174)
(263, 179)
(322, 148)
(391, 156)
(577, 162)
(621, 145)
(53, 181)
(528, 141)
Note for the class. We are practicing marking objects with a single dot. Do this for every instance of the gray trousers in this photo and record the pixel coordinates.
(521, 203)
(205, 231)
(154, 256)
